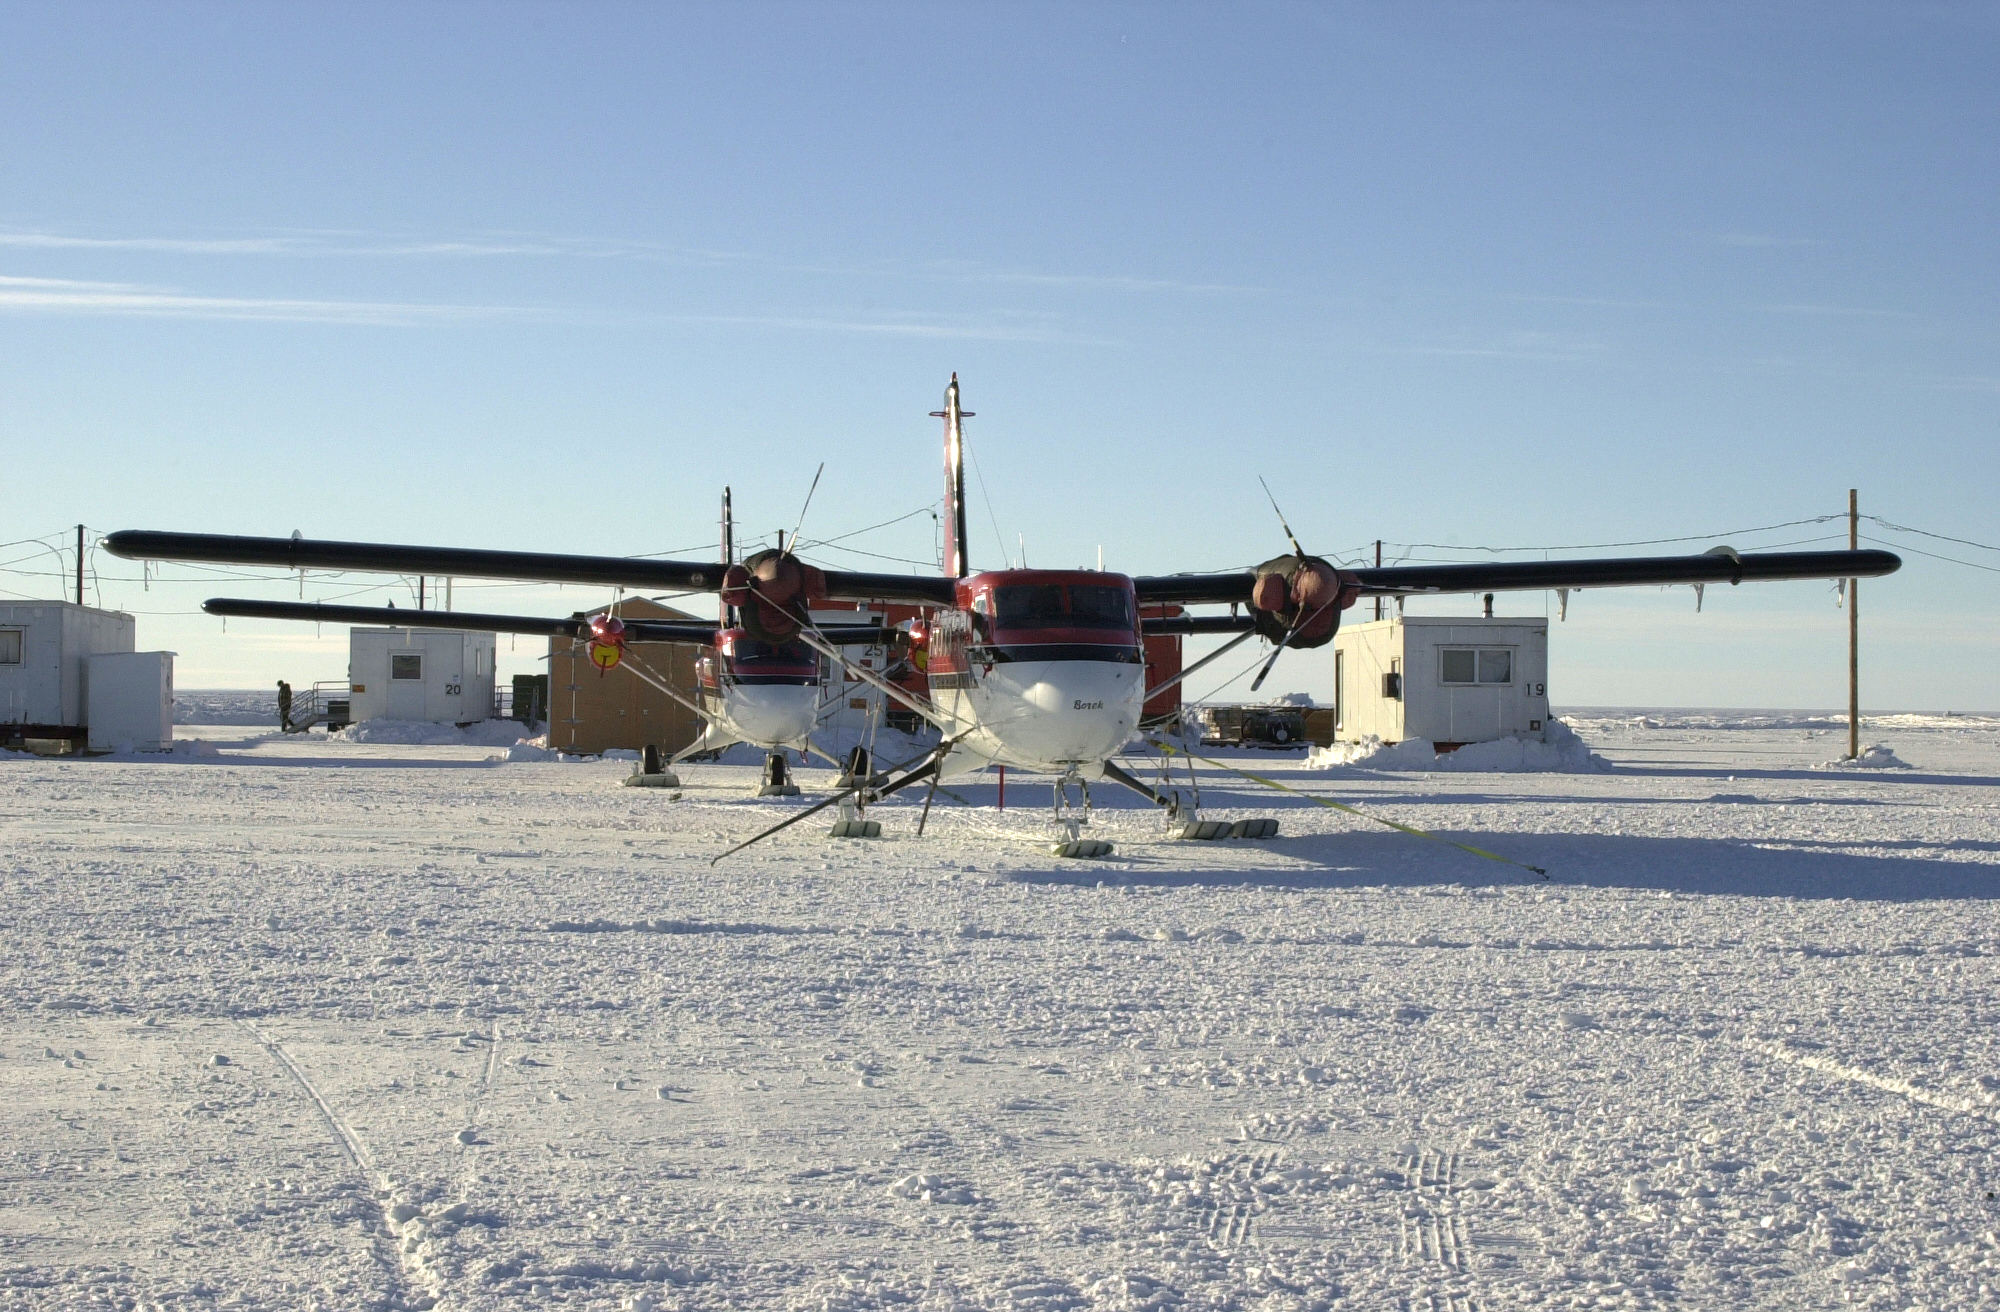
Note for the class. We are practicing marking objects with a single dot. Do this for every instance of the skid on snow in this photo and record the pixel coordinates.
(1210, 830)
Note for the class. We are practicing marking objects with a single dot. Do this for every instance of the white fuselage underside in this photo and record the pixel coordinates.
(767, 715)
(1046, 716)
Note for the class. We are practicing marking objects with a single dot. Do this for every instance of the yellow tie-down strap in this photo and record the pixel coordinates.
(1332, 805)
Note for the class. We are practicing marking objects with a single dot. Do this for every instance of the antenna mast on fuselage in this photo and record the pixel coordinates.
(955, 563)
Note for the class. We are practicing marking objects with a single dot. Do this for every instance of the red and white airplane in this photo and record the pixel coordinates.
(1041, 670)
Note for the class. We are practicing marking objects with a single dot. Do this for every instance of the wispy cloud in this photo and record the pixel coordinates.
(1524, 345)
(1760, 240)
(331, 244)
(313, 245)
(20, 295)
(1603, 302)
(959, 271)
(1836, 311)
(900, 327)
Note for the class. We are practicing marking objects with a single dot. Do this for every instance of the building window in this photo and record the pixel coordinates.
(1475, 665)
(10, 646)
(1339, 687)
(406, 665)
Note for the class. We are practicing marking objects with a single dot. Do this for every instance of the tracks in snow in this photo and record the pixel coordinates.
(1433, 1229)
(1886, 1083)
(416, 1285)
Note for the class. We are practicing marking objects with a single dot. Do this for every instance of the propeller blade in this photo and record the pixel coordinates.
(794, 548)
(1283, 643)
(1276, 652)
(1297, 550)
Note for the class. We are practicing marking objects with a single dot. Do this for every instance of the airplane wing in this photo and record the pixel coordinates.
(636, 630)
(1189, 624)
(540, 567)
(1719, 566)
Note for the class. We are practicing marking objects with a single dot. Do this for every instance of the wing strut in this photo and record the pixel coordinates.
(924, 771)
(1226, 647)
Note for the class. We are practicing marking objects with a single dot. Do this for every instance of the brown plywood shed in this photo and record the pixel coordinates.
(593, 711)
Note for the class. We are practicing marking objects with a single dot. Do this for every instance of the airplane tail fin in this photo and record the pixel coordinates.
(728, 551)
(955, 563)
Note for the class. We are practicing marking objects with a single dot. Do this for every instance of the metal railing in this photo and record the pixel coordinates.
(327, 702)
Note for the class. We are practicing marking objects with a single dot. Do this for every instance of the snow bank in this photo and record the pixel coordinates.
(1608, 719)
(185, 749)
(1558, 751)
(1876, 756)
(423, 733)
(538, 749)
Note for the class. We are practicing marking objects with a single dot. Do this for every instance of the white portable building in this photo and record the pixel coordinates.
(441, 675)
(45, 647)
(130, 701)
(1452, 681)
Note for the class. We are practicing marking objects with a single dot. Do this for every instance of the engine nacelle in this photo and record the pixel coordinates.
(772, 591)
(1303, 593)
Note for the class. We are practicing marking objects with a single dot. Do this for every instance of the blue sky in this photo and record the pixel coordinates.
(1485, 276)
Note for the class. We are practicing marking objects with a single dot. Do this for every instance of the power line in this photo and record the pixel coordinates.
(842, 537)
(1644, 542)
(1904, 546)
(1904, 528)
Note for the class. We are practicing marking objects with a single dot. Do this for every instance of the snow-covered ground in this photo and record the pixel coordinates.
(297, 1023)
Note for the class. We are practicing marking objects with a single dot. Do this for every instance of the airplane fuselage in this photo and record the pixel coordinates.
(761, 693)
(1043, 670)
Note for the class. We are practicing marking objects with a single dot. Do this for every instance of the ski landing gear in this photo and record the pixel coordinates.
(777, 778)
(859, 771)
(861, 786)
(1262, 827)
(1070, 820)
(651, 774)
(1179, 823)
(852, 825)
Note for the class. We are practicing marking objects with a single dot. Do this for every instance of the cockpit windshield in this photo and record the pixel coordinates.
(1062, 606)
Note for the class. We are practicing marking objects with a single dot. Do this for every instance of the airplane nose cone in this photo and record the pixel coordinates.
(1068, 710)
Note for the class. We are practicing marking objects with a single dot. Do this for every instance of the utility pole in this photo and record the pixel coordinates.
(1378, 565)
(420, 592)
(79, 564)
(1853, 633)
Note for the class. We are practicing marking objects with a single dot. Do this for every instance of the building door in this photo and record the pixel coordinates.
(447, 667)
(406, 685)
